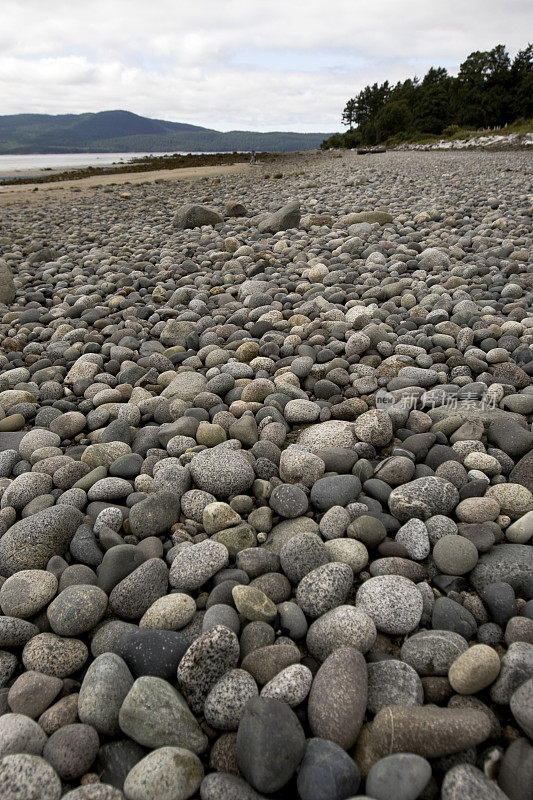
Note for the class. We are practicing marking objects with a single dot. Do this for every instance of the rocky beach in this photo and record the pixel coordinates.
(266, 481)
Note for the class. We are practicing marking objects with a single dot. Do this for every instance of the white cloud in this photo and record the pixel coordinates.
(180, 61)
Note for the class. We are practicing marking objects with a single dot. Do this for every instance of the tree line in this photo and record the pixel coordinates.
(489, 91)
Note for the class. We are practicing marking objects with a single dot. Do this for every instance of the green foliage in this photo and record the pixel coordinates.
(488, 92)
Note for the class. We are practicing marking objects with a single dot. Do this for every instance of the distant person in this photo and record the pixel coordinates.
(252, 157)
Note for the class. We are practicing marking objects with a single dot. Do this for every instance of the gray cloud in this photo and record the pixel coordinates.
(255, 64)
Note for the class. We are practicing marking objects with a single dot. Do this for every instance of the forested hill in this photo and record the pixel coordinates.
(124, 132)
(490, 91)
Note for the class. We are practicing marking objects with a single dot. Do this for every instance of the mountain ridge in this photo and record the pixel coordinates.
(126, 132)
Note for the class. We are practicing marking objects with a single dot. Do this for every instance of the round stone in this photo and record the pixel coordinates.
(253, 604)
(54, 655)
(327, 772)
(168, 773)
(474, 670)
(289, 501)
(455, 555)
(225, 703)
(291, 685)
(105, 685)
(344, 626)
(77, 609)
(401, 776)
(26, 592)
(270, 744)
(71, 750)
(20, 734)
(222, 472)
(171, 612)
(324, 588)
(393, 683)
(28, 777)
(392, 601)
(423, 498)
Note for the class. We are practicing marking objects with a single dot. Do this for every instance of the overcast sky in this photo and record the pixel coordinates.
(235, 64)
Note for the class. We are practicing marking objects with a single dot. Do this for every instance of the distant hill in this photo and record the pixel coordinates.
(124, 132)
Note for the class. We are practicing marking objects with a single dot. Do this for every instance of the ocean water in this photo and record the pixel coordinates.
(17, 166)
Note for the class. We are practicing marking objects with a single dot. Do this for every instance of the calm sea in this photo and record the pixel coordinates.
(19, 165)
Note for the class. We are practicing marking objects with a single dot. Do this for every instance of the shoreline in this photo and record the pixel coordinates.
(141, 165)
(32, 190)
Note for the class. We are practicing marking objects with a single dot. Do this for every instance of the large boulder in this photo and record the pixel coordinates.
(287, 217)
(192, 215)
(7, 287)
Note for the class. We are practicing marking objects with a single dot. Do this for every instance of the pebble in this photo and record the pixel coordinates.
(455, 555)
(104, 687)
(324, 588)
(26, 592)
(71, 750)
(392, 601)
(226, 701)
(343, 626)
(401, 776)
(327, 772)
(20, 734)
(466, 780)
(77, 609)
(428, 731)
(291, 685)
(338, 697)
(39, 779)
(216, 439)
(270, 744)
(168, 772)
(194, 566)
(154, 714)
(207, 659)
(423, 498)
(393, 683)
(474, 670)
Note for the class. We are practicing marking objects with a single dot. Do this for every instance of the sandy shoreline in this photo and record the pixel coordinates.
(27, 192)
